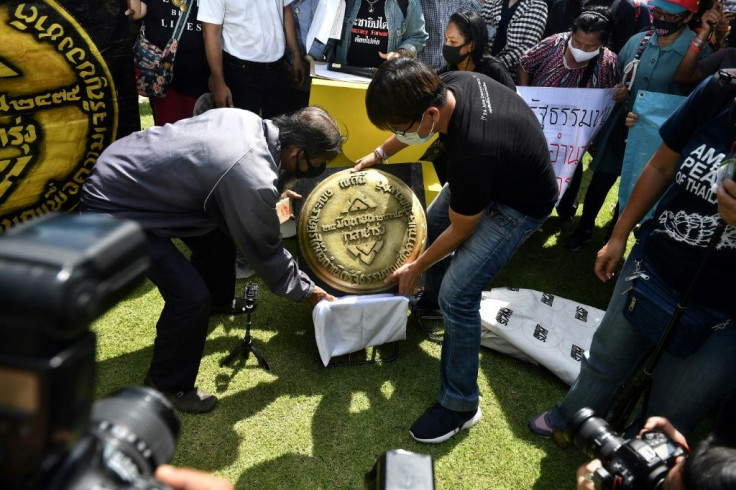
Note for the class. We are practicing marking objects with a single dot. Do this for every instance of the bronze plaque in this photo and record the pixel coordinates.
(357, 228)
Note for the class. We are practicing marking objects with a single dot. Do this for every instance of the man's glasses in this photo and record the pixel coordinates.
(402, 132)
(666, 16)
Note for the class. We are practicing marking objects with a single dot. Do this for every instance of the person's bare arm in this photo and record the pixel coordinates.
(213, 50)
(390, 147)
(522, 78)
(651, 184)
(687, 71)
(726, 196)
(190, 479)
(293, 44)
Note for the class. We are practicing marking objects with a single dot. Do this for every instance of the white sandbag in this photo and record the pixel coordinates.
(538, 327)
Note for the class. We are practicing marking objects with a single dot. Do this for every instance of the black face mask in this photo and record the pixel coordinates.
(311, 170)
(664, 28)
(452, 54)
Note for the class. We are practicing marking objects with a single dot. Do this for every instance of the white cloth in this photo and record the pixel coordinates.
(352, 323)
(252, 30)
(540, 328)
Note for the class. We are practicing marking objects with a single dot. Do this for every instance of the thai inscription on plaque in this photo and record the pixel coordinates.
(58, 109)
(357, 228)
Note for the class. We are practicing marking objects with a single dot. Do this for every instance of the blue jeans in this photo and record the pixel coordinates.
(683, 389)
(462, 278)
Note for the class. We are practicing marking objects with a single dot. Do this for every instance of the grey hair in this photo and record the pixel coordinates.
(311, 129)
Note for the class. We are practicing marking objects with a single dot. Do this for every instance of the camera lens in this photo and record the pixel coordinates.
(593, 434)
(140, 422)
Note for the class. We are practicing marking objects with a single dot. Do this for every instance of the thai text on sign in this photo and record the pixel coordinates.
(570, 119)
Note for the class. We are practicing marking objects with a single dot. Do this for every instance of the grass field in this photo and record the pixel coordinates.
(305, 426)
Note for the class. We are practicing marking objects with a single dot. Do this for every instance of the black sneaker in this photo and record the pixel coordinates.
(438, 424)
(577, 239)
(190, 401)
(234, 308)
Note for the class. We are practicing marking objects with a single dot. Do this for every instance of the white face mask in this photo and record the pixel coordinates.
(580, 55)
(414, 138)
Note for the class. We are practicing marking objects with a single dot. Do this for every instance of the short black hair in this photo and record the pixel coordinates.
(474, 29)
(401, 90)
(311, 129)
(711, 467)
(595, 18)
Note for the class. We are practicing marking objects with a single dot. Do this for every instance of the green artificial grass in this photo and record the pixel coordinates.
(302, 425)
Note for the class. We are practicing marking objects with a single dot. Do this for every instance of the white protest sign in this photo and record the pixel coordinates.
(570, 119)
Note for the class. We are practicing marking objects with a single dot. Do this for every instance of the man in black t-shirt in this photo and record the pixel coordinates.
(500, 188)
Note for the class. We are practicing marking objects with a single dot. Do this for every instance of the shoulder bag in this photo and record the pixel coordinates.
(154, 67)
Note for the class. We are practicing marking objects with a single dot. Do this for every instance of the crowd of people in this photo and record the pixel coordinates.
(448, 68)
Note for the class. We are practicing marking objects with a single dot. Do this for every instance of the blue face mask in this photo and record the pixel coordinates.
(414, 138)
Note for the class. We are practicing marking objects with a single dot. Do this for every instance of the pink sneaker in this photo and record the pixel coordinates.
(541, 425)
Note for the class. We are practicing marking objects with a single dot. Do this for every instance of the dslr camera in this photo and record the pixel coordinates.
(637, 464)
(57, 274)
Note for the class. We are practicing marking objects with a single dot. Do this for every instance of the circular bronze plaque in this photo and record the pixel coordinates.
(357, 228)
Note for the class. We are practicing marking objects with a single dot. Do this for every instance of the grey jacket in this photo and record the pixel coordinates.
(218, 169)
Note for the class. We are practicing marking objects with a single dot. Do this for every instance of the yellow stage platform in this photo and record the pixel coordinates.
(345, 101)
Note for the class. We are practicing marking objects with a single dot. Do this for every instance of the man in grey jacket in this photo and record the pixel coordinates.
(212, 181)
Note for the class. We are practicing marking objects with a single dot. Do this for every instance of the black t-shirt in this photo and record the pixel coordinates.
(496, 149)
(687, 214)
(191, 70)
(369, 35)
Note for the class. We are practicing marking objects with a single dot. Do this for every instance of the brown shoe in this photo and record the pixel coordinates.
(193, 400)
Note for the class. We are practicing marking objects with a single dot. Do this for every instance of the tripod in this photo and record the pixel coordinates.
(243, 350)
